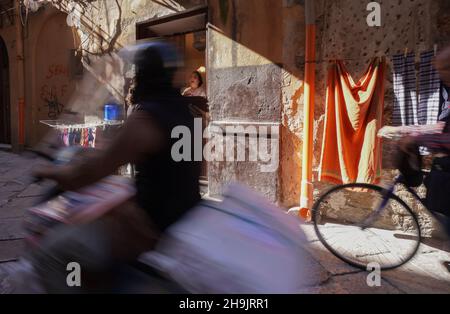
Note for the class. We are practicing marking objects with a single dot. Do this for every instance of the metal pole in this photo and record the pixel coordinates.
(306, 198)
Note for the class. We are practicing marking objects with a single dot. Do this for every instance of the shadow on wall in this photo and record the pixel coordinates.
(175, 5)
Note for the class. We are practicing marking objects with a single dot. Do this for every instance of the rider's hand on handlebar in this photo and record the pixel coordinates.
(45, 172)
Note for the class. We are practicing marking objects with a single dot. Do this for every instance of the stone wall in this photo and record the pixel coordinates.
(255, 64)
(292, 101)
(107, 26)
(343, 34)
(346, 35)
(48, 75)
(244, 67)
(244, 83)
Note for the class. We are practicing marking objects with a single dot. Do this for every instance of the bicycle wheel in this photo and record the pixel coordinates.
(347, 224)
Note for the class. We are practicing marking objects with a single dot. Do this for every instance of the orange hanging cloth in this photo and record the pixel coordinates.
(351, 151)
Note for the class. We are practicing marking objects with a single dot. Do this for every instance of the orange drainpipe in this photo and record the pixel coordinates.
(20, 79)
(306, 198)
(21, 124)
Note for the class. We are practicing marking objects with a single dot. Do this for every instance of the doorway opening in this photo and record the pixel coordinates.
(187, 30)
(5, 105)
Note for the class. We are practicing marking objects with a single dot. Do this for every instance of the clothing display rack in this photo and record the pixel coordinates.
(79, 134)
(62, 125)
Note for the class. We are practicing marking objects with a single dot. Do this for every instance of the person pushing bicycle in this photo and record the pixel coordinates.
(370, 226)
(438, 181)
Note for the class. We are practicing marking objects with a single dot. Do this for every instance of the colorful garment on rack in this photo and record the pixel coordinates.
(351, 150)
(79, 137)
(405, 100)
(429, 90)
(65, 136)
(91, 137)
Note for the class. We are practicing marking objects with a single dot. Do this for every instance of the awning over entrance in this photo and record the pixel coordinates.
(188, 21)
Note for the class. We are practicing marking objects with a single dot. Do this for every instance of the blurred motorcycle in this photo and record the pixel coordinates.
(241, 244)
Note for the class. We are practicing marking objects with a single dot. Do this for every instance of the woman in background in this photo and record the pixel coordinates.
(196, 87)
(166, 189)
(130, 100)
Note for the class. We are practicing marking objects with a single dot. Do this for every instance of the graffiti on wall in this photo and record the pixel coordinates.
(55, 89)
(56, 70)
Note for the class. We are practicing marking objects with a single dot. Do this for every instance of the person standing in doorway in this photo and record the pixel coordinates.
(196, 86)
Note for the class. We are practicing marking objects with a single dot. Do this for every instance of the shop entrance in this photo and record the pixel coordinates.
(187, 30)
(5, 106)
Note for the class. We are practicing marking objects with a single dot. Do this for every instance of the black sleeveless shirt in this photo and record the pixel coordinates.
(167, 189)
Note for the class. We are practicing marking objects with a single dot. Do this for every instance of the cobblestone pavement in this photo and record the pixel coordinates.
(426, 273)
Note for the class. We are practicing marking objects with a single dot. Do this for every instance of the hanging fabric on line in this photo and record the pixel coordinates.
(351, 150)
(79, 137)
(405, 100)
(429, 90)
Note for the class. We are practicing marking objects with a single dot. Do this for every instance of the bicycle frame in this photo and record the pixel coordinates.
(390, 191)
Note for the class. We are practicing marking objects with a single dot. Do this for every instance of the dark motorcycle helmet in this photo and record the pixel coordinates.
(155, 64)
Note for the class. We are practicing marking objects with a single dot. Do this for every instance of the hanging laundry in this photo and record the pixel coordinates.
(429, 90)
(351, 150)
(66, 137)
(92, 134)
(72, 138)
(77, 140)
(84, 137)
(405, 100)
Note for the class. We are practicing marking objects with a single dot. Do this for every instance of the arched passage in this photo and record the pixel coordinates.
(5, 105)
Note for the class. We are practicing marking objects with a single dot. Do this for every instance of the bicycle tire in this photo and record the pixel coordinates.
(316, 217)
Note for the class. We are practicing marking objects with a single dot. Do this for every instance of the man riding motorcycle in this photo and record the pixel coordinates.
(166, 189)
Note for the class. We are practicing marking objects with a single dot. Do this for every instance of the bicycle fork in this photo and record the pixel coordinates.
(385, 200)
